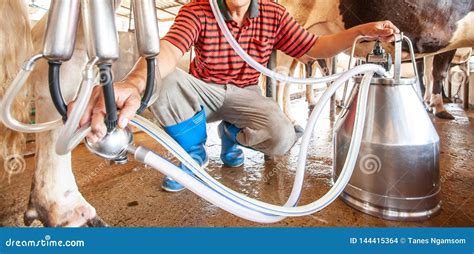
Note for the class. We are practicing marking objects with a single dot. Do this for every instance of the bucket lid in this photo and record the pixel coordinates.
(388, 81)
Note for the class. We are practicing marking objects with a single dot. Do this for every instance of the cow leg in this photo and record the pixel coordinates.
(441, 64)
(465, 84)
(280, 86)
(55, 199)
(286, 100)
(323, 65)
(425, 83)
(420, 69)
(428, 81)
(308, 69)
(446, 97)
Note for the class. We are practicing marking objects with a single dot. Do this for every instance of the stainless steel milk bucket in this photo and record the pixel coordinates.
(396, 176)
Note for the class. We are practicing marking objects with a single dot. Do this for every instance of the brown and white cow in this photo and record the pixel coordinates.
(436, 28)
(54, 199)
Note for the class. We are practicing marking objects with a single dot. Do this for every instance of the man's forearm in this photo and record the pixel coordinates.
(167, 61)
(330, 45)
(137, 76)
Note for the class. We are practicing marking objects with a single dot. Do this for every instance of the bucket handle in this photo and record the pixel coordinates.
(399, 38)
(359, 38)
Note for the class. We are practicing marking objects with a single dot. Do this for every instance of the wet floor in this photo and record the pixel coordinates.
(130, 195)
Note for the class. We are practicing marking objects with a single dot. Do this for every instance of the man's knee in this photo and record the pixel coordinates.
(171, 87)
(282, 136)
(174, 103)
(174, 77)
(175, 91)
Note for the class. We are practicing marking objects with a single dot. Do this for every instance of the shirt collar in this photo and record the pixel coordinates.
(253, 9)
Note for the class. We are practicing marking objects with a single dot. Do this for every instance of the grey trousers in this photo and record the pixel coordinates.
(264, 126)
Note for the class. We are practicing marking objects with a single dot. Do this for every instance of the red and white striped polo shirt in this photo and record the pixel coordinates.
(268, 27)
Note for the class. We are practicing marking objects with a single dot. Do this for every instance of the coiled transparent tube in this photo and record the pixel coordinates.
(263, 212)
(268, 213)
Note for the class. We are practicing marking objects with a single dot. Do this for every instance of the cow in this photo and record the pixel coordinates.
(436, 28)
(55, 199)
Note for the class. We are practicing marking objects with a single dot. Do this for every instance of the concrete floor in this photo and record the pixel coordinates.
(130, 195)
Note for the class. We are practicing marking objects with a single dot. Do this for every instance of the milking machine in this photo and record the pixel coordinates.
(101, 39)
(102, 48)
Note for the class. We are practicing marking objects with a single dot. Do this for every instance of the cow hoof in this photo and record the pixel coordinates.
(312, 103)
(428, 109)
(96, 222)
(447, 100)
(67, 210)
(427, 106)
(299, 131)
(29, 217)
(444, 115)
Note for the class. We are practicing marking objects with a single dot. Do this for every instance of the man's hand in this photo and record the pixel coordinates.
(382, 30)
(127, 92)
(329, 45)
(127, 98)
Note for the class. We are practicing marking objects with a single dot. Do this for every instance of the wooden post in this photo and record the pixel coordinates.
(271, 83)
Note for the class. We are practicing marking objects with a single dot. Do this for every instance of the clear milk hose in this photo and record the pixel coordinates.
(202, 184)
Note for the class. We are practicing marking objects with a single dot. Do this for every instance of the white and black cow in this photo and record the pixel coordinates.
(436, 27)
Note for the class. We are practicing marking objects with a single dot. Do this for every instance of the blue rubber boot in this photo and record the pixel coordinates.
(191, 135)
(231, 154)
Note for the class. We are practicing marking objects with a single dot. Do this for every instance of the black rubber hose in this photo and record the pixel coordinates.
(55, 88)
(107, 82)
(150, 84)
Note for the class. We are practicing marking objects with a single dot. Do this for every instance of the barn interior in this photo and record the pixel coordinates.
(130, 195)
